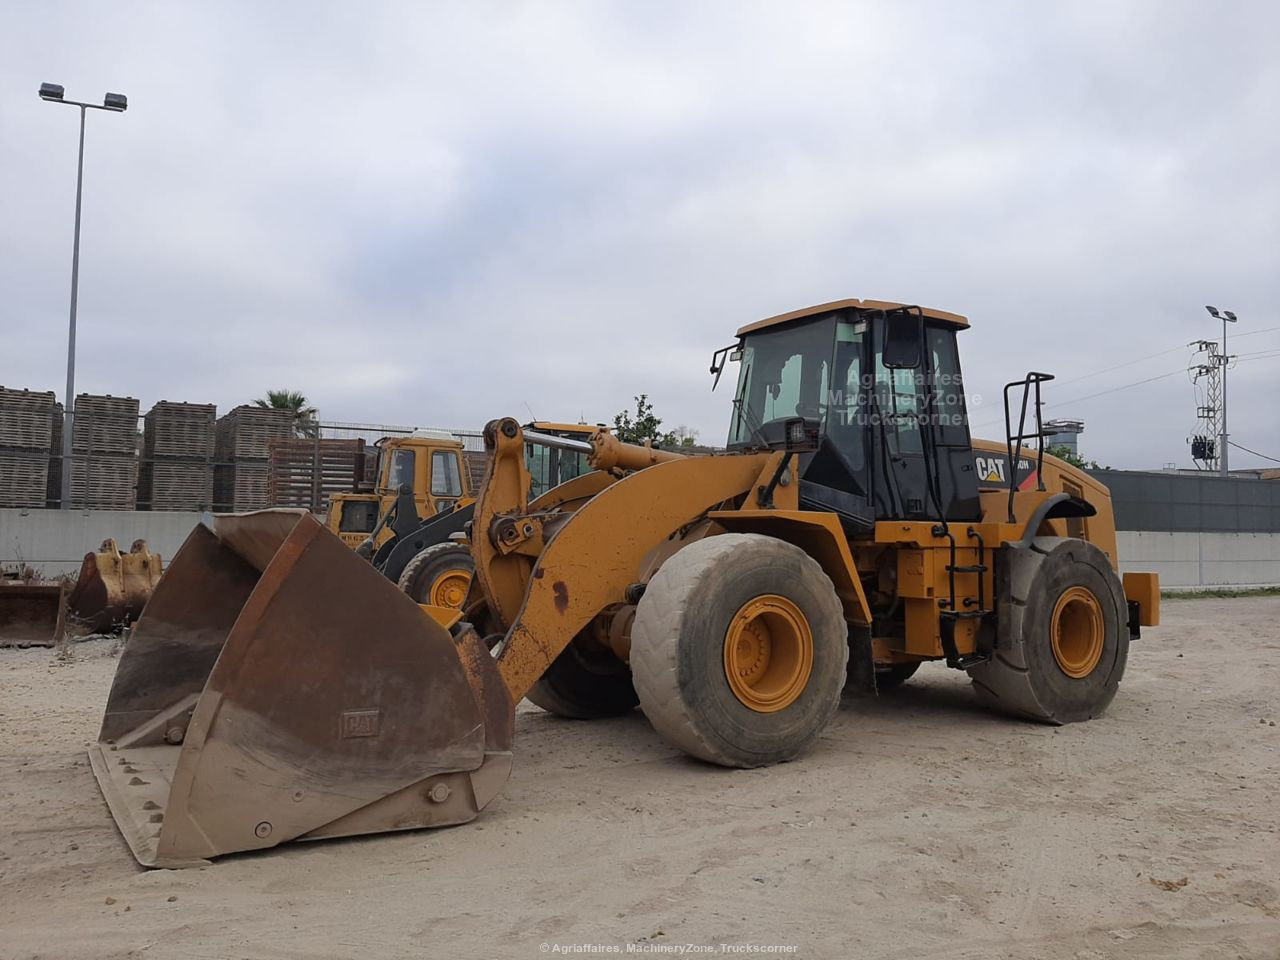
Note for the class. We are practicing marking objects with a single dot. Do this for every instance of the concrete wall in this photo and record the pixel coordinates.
(1202, 559)
(55, 541)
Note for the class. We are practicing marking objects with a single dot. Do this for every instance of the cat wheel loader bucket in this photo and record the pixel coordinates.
(32, 613)
(279, 688)
(113, 587)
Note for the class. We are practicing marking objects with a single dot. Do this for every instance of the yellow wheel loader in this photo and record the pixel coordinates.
(277, 688)
(427, 462)
(410, 527)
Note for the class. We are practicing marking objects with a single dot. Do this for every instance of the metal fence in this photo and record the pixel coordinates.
(471, 440)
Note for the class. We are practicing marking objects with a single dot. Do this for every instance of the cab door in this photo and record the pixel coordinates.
(922, 411)
(446, 481)
(897, 401)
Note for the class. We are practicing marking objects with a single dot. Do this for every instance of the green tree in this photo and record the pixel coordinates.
(305, 423)
(644, 426)
(1063, 452)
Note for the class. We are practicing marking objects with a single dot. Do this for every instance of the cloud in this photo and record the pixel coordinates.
(438, 214)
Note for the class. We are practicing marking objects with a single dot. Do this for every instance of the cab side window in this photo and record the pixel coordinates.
(446, 481)
(900, 403)
(948, 388)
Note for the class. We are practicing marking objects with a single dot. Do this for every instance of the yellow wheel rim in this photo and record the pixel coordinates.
(450, 588)
(768, 653)
(1077, 632)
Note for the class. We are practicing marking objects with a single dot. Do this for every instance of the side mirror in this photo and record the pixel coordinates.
(903, 337)
(719, 359)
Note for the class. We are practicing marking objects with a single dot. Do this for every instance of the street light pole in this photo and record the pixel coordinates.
(115, 103)
(1226, 316)
(68, 420)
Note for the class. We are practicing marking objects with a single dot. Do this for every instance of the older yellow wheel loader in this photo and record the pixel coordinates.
(421, 498)
(279, 688)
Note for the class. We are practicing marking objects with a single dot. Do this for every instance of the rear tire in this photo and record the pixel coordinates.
(1063, 638)
(687, 626)
(585, 683)
(440, 575)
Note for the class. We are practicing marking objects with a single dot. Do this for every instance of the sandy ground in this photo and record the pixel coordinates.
(921, 826)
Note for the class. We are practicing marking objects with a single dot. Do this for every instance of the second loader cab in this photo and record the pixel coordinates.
(427, 463)
(879, 386)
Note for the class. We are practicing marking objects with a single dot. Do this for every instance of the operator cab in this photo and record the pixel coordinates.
(878, 385)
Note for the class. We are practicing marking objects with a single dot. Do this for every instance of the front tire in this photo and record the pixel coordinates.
(1063, 638)
(739, 650)
(440, 575)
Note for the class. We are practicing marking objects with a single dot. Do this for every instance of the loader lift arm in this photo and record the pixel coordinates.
(533, 594)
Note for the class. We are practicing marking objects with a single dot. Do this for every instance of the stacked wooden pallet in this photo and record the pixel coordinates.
(177, 450)
(182, 431)
(243, 434)
(26, 437)
(240, 479)
(105, 425)
(175, 485)
(307, 472)
(240, 486)
(104, 453)
(474, 462)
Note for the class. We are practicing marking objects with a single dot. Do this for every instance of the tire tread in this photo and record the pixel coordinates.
(656, 639)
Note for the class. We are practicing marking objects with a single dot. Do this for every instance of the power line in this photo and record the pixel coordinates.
(1254, 452)
(1152, 356)
(1103, 393)
(1120, 366)
(1091, 396)
(1241, 358)
(1253, 333)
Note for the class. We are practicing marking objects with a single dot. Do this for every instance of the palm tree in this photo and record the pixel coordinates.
(304, 415)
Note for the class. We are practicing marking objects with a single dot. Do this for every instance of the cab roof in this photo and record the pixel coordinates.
(942, 316)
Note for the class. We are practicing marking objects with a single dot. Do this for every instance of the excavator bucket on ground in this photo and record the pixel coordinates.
(279, 688)
(113, 587)
(32, 613)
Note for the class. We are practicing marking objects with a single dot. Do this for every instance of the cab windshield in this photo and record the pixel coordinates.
(812, 370)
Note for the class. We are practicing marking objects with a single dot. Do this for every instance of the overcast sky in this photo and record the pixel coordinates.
(438, 214)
